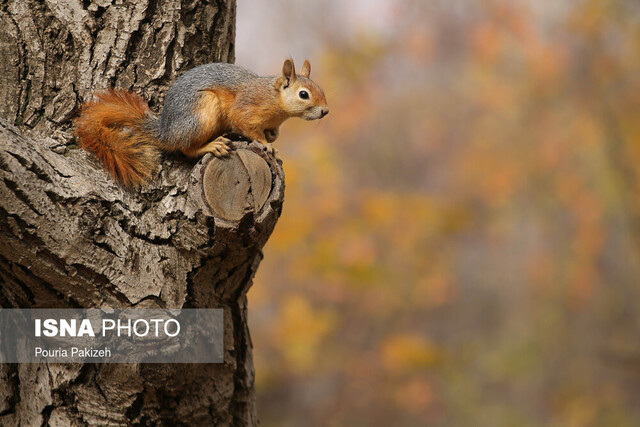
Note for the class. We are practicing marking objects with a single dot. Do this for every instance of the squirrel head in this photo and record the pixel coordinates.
(300, 96)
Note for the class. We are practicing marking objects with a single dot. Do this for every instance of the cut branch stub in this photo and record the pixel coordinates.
(236, 185)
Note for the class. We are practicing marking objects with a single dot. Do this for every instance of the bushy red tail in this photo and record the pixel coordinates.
(116, 128)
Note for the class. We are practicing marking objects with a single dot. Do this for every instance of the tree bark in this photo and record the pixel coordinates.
(55, 54)
(70, 237)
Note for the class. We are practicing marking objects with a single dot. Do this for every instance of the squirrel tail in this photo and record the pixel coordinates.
(119, 129)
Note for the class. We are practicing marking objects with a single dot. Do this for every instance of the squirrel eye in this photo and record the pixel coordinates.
(303, 94)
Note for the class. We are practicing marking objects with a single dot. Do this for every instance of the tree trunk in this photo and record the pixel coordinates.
(72, 238)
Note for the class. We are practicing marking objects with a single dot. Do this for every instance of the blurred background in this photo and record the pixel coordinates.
(460, 241)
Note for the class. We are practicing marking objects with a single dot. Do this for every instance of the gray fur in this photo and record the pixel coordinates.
(178, 122)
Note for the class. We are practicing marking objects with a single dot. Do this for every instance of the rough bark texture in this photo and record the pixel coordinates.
(70, 237)
(55, 54)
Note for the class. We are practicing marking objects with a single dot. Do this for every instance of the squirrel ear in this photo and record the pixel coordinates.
(288, 71)
(306, 68)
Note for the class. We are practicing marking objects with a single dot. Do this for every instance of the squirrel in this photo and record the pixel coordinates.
(202, 105)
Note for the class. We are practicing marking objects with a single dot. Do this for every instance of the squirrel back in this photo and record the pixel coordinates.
(179, 120)
(201, 106)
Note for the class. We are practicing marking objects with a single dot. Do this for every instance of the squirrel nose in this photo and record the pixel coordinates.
(324, 112)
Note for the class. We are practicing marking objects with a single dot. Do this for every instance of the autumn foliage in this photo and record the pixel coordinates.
(460, 242)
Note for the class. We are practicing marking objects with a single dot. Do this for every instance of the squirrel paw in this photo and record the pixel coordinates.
(218, 147)
(271, 134)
